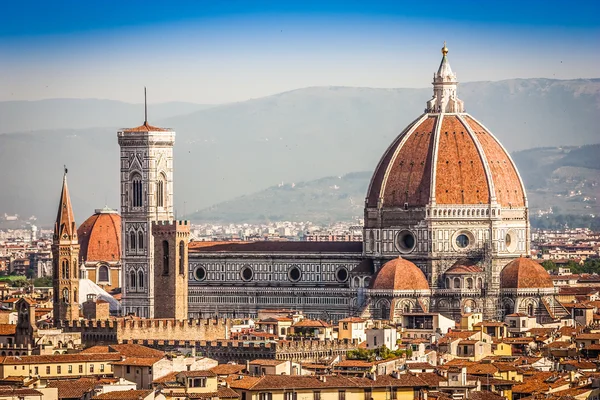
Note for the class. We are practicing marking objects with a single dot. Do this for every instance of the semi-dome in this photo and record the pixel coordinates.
(400, 274)
(100, 236)
(445, 157)
(524, 273)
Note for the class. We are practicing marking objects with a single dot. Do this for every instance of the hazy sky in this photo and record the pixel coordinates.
(222, 51)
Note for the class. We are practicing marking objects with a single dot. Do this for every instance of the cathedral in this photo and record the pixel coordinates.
(446, 230)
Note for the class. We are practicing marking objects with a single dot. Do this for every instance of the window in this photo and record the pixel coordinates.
(66, 295)
(456, 283)
(101, 367)
(393, 395)
(141, 240)
(65, 269)
(368, 394)
(137, 187)
(141, 279)
(91, 368)
(103, 273)
(530, 309)
(128, 369)
(81, 369)
(342, 395)
(317, 395)
(35, 371)
(462, 241)
(289, 396)
(48, 370)
(132, 280)
(165, 257)
(265, 396)
(132, 244)
(161, 194)
(58, 369)
(70, 369)
(181, 258)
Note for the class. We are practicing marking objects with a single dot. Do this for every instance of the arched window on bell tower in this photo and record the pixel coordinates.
(181, 258)
(132, 280)
(141, 279)
(140, 240)
(132, 241)
(161, 191)
(165, 257)
(136, 190)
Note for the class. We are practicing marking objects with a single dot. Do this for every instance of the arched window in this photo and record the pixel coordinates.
(66, 295)
(136, 190)
(530, 309)
(64, 269)
(407, 308)
(469, 283)
(103, 273)
(161, 191)
(448, 283)
(456, 283)
(140, 240)
(141, 279)
(75, 298)
(132, 240)
(181, 258)
(132, 280)
(165, 257)
(67, 269)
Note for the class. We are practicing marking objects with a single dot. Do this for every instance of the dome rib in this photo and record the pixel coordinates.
(524, 273)
(375, 191)
(100, 237)
(506, 175)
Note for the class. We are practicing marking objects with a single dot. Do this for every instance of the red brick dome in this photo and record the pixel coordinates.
(524, 273)
(451, 158)
(100, 236)
(400, 274)
(445, 157)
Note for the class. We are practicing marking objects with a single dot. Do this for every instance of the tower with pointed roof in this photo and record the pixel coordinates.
(146, 197)
(65, 257)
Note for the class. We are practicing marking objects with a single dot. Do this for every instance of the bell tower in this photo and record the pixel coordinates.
(146, 196)
(65, 256)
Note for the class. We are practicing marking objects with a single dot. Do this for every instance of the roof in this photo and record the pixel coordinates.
(59, 358)
(228, 369)
(8, 329)
(221, 393)
(146, 127)
(468, 157)
(194, 374)
(524, 273)
(463, 267)
(100, 237)
(73, 389)
(136, 350)
(400, 274)
(352, 319)
(64, 227)
(19, 393)
(124, 395)
(310, 323)
(275, 247)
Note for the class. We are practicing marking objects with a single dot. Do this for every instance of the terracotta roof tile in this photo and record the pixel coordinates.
(59, 358)
(400, 274)
(73, 389)
(284, 247)
(138, 361)
(524, 273)
(8, 329)
(228, 369)
(124, 395)
(146, 127)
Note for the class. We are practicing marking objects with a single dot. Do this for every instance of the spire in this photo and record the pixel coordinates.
(444, 98)
(64, 228)
(145, 107)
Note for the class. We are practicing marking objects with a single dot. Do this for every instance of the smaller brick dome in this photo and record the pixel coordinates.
(100, 236)
(400, 274)
(524, 273)
(463, 267)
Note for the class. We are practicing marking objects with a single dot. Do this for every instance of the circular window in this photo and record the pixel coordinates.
(406, 241)
(462, 240)
(247, 273)
(510, 241)
(294, 274)
(341, 274)
(200, 273)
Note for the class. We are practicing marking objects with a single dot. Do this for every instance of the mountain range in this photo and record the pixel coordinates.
(226, 151)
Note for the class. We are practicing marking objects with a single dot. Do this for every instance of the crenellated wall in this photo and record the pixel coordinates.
(124, 331)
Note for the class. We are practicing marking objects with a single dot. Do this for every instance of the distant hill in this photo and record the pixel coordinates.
(231, 150)
(27, 116)
(550, 175)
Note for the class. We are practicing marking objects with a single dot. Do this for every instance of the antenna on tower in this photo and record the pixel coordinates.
(145, 107)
